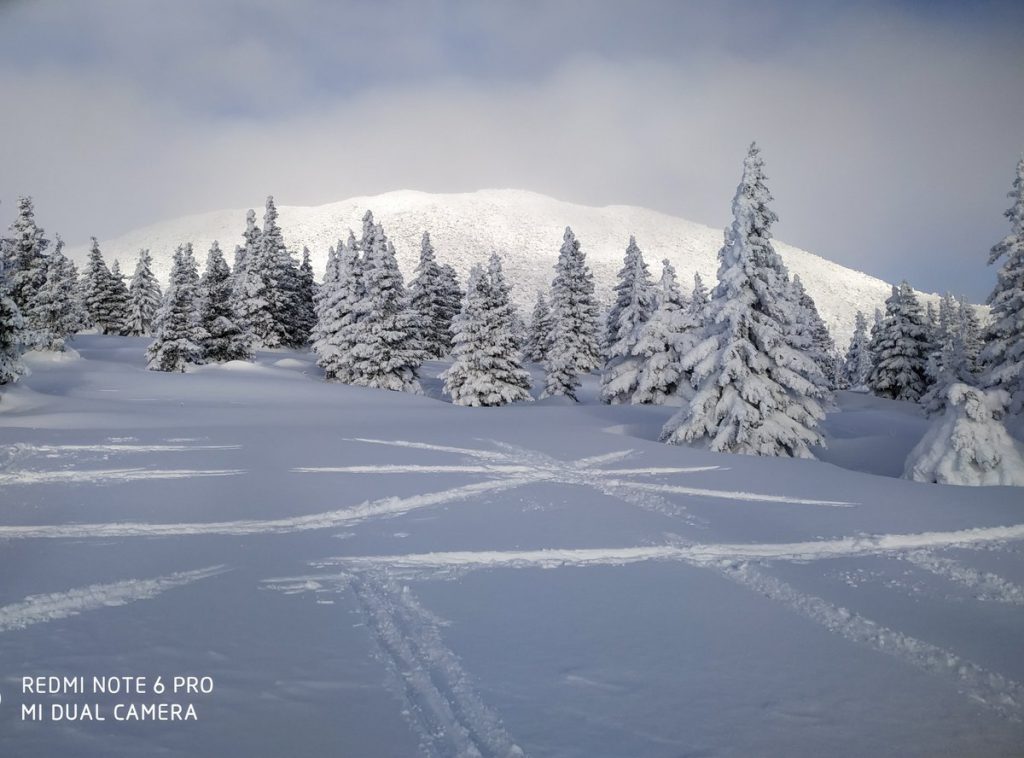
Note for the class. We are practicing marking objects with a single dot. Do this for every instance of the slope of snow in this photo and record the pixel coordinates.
(525, 227)
(368, 573)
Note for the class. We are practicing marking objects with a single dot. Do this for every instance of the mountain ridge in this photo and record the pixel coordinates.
(524, 227)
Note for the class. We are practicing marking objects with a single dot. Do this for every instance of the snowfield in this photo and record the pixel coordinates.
(368, 573)
(525, 228)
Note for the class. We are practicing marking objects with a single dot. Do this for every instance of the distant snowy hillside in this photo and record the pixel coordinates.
(525, 227)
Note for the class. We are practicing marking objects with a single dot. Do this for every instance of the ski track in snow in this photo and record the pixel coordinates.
(699, 554)
(38, 609)
(101, 476)
(383, 508)
(442, 705)
(993, 690)
(986, 586)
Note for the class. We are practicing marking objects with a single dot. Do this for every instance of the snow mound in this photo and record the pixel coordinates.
(969, 444)
(291, 363)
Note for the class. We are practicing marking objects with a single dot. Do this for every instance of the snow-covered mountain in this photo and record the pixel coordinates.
(525, 227)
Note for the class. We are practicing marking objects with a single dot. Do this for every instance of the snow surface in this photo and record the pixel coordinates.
(524, 227)
(372, 573)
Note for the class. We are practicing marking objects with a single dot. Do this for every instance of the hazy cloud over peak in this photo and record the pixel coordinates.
(890, 131)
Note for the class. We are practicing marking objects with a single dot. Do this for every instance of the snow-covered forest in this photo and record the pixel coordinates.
(398, 514)
(751, 364)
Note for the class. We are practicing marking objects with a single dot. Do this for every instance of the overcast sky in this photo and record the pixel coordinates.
(890, 131)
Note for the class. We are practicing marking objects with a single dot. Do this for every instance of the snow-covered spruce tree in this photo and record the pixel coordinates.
(119, 300)
(251, 235)
(178, 334)
(221, 339)
(950, 363)
(574, 315)
(968, 444)
(429, 300)
(337, 329)
(451, 296)
(538, 337)
(661, 341)
(57, 312)
(306, 300)
(25, 254)
(267, 302)
(387, 352)
(970, 329)
(753, 393)
(12, 339)
(812, 335)
(324, 292)
(1002, 358)
(487, 369)
(98, 293)
(143, 297)
(900, 353)
(857, 365)
(634, 304)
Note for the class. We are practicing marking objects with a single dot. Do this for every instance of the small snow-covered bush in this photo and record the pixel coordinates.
(969, 444)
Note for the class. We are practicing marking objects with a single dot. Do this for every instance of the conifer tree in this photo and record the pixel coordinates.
(538, 340)
(119, 300)
(1002, 357)
(251, 235)
(753, 393)
(221, 339)
(857, 365)
(900, 352)
(340, 311)
(633, 306)
(12, 341)
(177, 333)
(949, 364)
(487, 368)
(451, 302)
(699, 297)
(662, 341)
(98, 293)
(58, 314)
(970, 328)
(143, 297)
(387, 352)
(306, 301)
(25, 254)
(429, 300)
(574, 314)
(811, 335)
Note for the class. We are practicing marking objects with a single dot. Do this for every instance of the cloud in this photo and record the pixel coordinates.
(890, 135)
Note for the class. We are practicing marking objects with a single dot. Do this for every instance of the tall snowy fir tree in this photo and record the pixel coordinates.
(143, 297)
(634, 304)
(325, 292)
(662, 341)
(268, 303)
(900, 351)
(429, 300)
(386, 353)
(341, 308)
(538, 339)
(12, 338)
(306, 300)
(753, 393)
(221, 338)
(178, 334)
(119, 301)
(57, 313)
(1002, 357)
(251, 235)
(811, 335)
(451, 300)
(950, 363)
(858, 361)
(25, 255)
(574, 316)
(970, 328)
(98, 296)
(487, 368)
